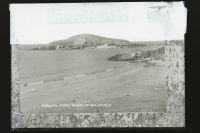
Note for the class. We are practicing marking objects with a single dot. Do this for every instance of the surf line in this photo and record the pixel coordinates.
(64, 78)
(40, 82)
(109, 69)
(81, 75)
(67, 78)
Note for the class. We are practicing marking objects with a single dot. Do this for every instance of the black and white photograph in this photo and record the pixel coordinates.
(103, 57)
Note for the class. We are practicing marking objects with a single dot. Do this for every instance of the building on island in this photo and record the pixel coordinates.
(105, 45)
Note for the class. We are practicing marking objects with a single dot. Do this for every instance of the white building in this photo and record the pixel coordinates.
(133, 54)
(106, 46)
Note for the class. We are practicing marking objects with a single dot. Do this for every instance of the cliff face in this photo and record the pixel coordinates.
(156, 54)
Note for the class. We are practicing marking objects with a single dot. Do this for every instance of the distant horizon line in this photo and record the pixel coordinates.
(94, 35)
(129, 41)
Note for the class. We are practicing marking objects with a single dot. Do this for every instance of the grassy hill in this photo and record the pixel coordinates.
(88, 40)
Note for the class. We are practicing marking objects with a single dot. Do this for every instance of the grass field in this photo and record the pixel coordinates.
(127, 87)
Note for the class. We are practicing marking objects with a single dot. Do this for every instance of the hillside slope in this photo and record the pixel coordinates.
(88, 40)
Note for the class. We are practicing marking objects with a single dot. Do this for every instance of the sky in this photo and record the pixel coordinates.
(133, 21)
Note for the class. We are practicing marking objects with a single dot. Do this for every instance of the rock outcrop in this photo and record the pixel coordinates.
(156, 54)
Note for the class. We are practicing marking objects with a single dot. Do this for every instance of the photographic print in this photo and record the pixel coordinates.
(109, 64)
